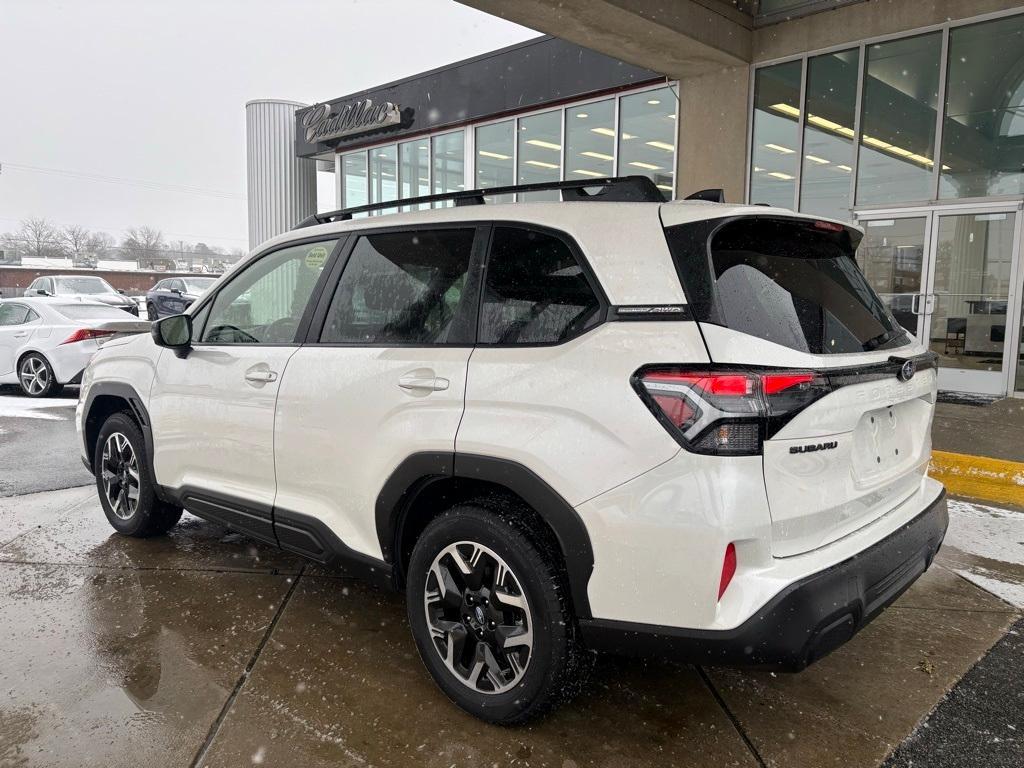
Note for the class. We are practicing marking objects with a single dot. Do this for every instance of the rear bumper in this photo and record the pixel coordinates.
(808, 619)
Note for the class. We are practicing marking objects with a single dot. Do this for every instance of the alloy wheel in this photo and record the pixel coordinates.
(119, 469)
(34, 375)
(479, 617)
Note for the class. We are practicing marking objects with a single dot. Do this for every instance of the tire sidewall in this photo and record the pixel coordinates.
(470, 523)
(122, 423)
(51, 381)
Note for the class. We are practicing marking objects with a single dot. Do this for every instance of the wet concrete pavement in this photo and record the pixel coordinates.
(205, 648)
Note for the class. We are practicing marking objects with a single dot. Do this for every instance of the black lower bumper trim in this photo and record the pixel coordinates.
(807, 620)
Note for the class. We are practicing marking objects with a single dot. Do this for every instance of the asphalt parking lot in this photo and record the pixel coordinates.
(206, 648)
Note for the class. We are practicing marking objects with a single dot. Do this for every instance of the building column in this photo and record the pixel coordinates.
(711, 145)
(281, 186)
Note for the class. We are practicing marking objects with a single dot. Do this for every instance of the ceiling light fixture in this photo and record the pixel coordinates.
(544, 144)
(495, 155)
(872, 141)
(583, 172)
(597, 156)
(646, 166)
(818, 160)
(653, 102)
(780, 175)
(845, 168)
(786, 109)
(582, 115)
(666, 187)
(604, 131)
(780, 148)
(540, 164)
(661, 145)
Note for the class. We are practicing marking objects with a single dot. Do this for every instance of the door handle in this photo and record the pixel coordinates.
(21, 335)
(262, 377)
(428, 383)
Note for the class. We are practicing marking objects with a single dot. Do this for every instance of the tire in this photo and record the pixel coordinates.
(151, 312)
(530, 680)
(36, 376)
(121, 467)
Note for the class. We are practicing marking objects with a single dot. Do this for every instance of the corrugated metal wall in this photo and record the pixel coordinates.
(281, 186)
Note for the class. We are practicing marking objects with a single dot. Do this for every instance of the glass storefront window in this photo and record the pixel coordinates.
(891, 256)
(983, 128)
(449, 164)
(828, 134)
(590, 140)
(897, 142)
(384, 175)
(647, 137)
(540, 152)
(353, 179)
(495, 150)
(776, 139)
(414, 169)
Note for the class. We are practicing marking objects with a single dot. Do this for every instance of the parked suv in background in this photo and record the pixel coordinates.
(173, 295)
(681, 428)
(82, 287)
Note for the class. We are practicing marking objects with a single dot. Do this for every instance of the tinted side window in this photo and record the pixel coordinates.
(402, 287)
(263, 303)
(13, 314)
(536, 291)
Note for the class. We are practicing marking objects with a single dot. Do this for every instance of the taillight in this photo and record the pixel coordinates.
(726, 412)
(87, 333)
(728, 569)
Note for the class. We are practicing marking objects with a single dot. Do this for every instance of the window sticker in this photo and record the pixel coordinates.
(316, 256)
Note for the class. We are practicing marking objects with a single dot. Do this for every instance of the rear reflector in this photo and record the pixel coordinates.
(83, 334)
(728, 569)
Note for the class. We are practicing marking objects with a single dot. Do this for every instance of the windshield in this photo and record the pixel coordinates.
(86, 285)
(90, 312)
(791, 282)
(197, 284)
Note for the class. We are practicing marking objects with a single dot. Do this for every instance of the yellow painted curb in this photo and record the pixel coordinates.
(979, 477)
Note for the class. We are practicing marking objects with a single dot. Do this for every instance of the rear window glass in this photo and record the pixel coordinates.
(91, 312)
(788, 282)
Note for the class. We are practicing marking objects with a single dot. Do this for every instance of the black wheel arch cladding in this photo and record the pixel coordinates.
(420, 471)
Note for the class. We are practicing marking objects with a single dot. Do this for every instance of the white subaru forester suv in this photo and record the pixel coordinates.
(606, 423)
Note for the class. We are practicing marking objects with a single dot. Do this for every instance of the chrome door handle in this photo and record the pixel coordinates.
(262, 377)
(431, 383)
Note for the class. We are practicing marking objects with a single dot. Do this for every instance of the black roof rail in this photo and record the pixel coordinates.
(617, 189)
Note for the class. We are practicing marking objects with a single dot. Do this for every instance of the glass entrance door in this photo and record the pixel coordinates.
(970, 301)
(950, 276)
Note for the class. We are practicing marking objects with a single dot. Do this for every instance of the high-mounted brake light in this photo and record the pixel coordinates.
(726, 412)
(87, 333)
(829, 226)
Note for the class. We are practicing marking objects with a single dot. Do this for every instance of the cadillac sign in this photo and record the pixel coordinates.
(322, 124)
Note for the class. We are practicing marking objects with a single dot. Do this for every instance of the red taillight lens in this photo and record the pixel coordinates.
(87, 333)
(726, 412)
(728, 569)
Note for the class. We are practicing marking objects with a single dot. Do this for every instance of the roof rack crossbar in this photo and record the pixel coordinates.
(620, 189)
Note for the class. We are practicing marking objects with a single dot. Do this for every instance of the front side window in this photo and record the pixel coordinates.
(535, 292)
(264, 302)
(402, 288)
(14, 314)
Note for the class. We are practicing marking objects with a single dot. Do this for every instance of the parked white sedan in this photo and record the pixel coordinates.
(46, 343)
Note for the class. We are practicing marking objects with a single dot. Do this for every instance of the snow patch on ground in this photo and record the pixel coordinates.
(18, 407)
(992, 539)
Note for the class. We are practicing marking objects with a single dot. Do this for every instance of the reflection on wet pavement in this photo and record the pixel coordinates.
(116, 651)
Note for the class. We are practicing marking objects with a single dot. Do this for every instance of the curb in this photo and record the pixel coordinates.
(979, 477)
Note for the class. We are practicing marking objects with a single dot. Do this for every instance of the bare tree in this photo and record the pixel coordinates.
(38, 237)
(140, 242)
(74, 242)
(101, 245)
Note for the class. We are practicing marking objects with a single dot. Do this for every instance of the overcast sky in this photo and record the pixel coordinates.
(153, 91)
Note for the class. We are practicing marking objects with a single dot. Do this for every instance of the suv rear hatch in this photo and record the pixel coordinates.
(842, 395)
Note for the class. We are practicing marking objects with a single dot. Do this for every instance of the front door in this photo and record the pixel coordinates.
(950, 277)
(213, 409)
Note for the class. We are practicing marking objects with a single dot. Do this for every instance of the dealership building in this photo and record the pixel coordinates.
(905, 117)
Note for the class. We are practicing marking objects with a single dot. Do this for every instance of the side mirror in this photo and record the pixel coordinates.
(174, 332)
(120, 291)
(42, 292)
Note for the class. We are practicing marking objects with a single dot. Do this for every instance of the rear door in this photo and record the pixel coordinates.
(773, 292)
(17, 324)
(381, 377)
